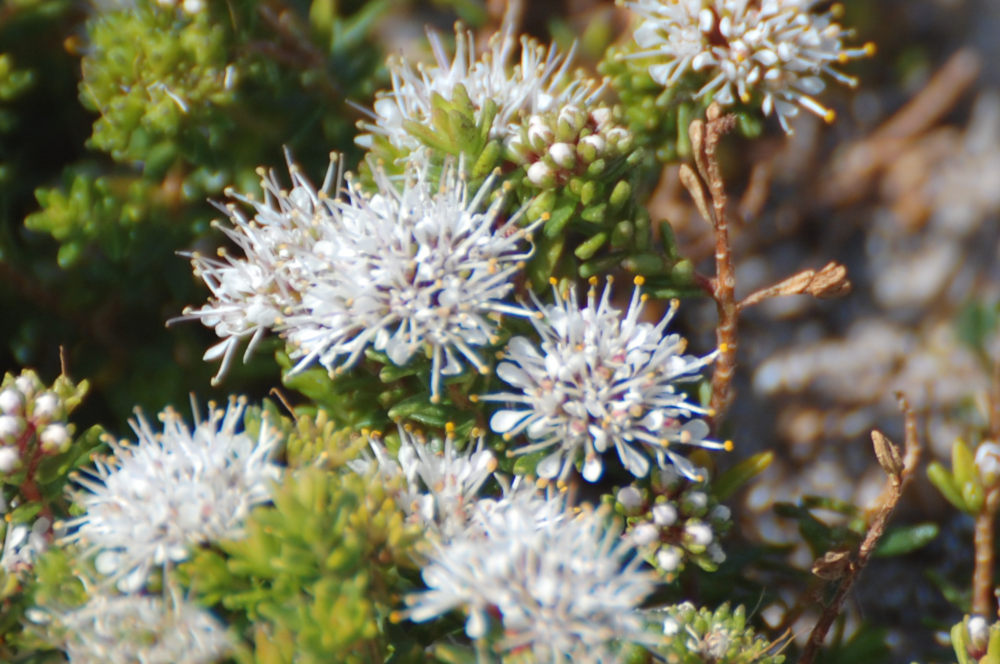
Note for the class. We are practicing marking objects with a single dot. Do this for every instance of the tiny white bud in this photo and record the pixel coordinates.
(664, 514)
(645, 533)
(539, 134)
(630, 498)
(540, 174)
(55, 438)
(192, 7)
(720, 513)
(26, 385)
(573, 116)
(669, 559)
(11, 402)
(563, 154)
(596, 141)
(697, 499)
(988, 462)
(9, 459)
(671, 627)
(46, 406)
(601, 116)
(700, 533)
(979, 633)
(11, 427)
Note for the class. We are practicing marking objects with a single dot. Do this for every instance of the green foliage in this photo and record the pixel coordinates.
(316, 577)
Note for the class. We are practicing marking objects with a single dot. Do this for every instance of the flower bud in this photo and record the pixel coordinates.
(601, 117)
(27, 384)
(988, 462)
(668, 558)
(540, 136)
(700, 533)
(645, 533)
(9, 459)
(563, 154)
(630, 498)
(541, 175)
(664, 515)
(55, 438)
(11, 427)
(46, 406)
(11, 402)
(569, 123)
(979, 633)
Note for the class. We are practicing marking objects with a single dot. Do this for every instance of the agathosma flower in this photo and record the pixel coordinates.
(497, 92)
(772, 52)
(597, 381)
(566, 589)
(417, 269)
(150, 501)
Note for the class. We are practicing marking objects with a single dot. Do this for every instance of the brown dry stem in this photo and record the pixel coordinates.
(899, 469)
(983, 539)
(705, 137)
(984, 535)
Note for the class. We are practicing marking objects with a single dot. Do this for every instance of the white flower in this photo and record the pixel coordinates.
(124, 629)
(149, 502)
(422, 270)
(565, 588)
(988, 462)
(775, 50)
(442, 482)
(538, 83)
(23, 543)
(599, 380)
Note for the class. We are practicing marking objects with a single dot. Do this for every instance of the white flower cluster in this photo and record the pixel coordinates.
(125, 629)
(149, 502)
(539, 83)
(775, 50)
(418, 270)
(565, 586)
(28, 410)
(442, 483)
(597, 381)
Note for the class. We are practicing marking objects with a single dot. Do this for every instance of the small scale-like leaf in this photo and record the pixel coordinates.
(903, 540)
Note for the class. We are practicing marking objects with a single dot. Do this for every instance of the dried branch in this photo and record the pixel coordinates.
(830, 281)
(982, 545)
(899, 469)
(705, 136)
(984, 535)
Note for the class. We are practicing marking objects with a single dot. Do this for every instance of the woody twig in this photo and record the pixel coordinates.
(705, 137)
(898, 469)
(708, 191)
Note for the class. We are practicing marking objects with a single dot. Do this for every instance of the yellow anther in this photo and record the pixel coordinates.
(728, 446)
(639, 280)
(830, 116)
(870, 49)
(723, 347)
(592, 281)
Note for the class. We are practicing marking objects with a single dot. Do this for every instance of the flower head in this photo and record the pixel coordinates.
(150, 501)
(775, 50)
(421, 270)
(567, 588)
(600, 380)
(538, 83)
(443, 483)
(123, 629)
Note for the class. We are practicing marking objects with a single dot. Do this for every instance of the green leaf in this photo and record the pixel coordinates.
(945, 483)
(736, 477)
(902, 540)
(959, 642)
(963, 464)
